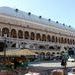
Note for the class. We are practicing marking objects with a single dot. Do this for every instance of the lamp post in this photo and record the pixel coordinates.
(64, 62)
(5, 35)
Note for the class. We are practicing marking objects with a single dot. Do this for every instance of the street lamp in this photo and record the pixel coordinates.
(64, 62)
(5, 35)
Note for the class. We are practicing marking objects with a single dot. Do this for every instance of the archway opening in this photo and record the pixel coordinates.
(42, 55)
(2, 46)
(47, 56)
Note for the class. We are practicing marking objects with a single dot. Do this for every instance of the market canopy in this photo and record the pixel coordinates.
(24, 52)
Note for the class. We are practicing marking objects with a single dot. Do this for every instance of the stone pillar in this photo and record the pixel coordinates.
(17, 45)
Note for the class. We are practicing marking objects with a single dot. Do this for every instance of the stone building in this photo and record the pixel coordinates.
(20, 30)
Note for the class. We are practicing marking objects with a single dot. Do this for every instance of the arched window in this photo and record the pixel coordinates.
(48, 53)
(32, 36)
(68, 41)
(5, 31)
(58, 47)
(20, 34)
(48, 38)
(53, 52)
(61, 39)
(42, 55)
(13, 33)
(53, 38)
(51, 47)
(43, 37)
(65, 48)
(58, 53)
(65, 40)
(56, 40)
(14, 45)
(73, 41)
(62, 52)
(38, 36)
(26, 35)
(42, 47)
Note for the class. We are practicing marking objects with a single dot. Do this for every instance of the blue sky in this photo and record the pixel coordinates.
(57, 10)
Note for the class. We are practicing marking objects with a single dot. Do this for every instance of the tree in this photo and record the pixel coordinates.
(71, 52)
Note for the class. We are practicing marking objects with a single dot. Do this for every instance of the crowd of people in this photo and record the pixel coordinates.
(14, 62)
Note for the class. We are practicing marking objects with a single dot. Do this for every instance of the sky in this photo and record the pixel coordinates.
(62, 11)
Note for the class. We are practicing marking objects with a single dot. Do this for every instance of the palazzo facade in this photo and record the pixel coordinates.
(21, 30)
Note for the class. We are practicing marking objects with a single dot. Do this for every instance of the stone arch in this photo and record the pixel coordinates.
(41, 47)
(65, 40)
(48, 55)
(53, 38)
(48, 38)
(71, 41)
(58, 53)
(26, 35)
(42, 55)
(5, 31)
(13, 33)
(56, 39)
(38, 36)
(36, 52)
(51, 47)
(68, 41)
(32, 36)
(53, 53)
(62, 52)
(61, 39)
(20, 34)
(13, 45)
(65, 48)
(43, 37)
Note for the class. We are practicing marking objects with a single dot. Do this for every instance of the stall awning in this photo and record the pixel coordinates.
(21, 52)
